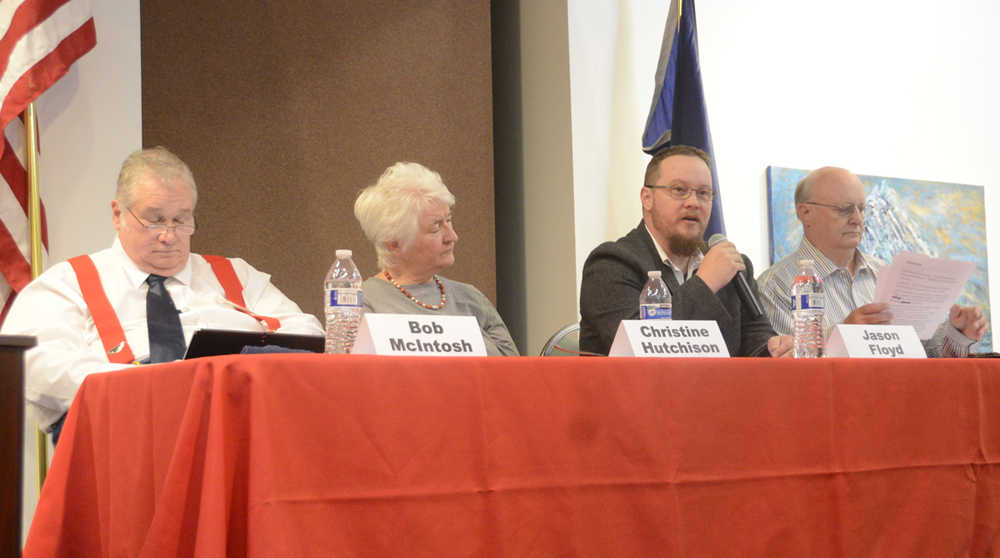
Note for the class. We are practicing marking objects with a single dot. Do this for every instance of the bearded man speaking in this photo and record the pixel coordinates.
(676, 204)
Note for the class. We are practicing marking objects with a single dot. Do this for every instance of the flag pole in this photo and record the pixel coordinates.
(35, 225)
(34, 203)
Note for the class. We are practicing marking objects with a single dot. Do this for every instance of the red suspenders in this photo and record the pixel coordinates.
(106, 320)
(226, 275)
(108, 327)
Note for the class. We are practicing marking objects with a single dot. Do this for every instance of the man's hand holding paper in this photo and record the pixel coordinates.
(875, 313)
(970, 320)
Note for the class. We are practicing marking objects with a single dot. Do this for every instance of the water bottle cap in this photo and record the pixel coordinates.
(653, 273)
(803, 263)
(342, 253)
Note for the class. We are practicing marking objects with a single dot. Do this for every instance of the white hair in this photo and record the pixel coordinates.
(155, 162)
(390, 209)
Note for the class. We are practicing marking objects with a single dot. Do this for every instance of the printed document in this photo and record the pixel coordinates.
(920, 289)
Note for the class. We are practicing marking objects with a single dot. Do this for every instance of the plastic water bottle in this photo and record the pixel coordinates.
(654, 300)
(343, 303)
(808, 303)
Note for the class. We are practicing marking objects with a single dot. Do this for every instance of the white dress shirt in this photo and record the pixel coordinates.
(52, 309)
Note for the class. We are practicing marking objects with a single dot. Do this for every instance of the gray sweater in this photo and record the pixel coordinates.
(381, 296)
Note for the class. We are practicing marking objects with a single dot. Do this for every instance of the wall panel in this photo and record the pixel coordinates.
(285, 110)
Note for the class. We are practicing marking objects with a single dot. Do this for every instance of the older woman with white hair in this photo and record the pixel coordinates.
(407, 216)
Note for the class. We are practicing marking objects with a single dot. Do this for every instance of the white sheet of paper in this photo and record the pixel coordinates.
(920, 289)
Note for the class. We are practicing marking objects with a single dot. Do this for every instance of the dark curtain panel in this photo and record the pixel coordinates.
(286, 110)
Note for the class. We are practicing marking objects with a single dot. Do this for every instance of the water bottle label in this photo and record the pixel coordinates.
(812, 301)
(345, 297)
(654, 312)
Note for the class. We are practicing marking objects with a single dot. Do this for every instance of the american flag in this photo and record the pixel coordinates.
(39, 41)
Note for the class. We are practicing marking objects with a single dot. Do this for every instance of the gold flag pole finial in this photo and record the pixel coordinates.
(35, 225)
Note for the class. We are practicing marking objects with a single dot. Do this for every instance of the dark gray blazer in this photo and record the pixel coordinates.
(615, 273)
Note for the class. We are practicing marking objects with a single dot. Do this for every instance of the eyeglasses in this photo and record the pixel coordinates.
(186, 229)
(843, 210)
(683, 193)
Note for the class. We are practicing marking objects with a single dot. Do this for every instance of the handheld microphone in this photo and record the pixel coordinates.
(746, 295)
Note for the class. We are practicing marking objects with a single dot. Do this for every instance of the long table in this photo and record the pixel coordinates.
(322, 455)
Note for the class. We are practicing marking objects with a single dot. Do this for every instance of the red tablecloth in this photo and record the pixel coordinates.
(316, 455)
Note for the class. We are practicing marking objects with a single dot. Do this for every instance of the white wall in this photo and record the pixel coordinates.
(612, 45)
(882, 87)
(89, 122)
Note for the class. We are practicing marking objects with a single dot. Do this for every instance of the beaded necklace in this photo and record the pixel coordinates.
(403, 290)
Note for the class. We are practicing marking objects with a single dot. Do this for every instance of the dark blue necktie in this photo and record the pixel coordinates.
(166, 338)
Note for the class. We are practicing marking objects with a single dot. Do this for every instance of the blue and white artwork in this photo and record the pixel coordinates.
(939, 219)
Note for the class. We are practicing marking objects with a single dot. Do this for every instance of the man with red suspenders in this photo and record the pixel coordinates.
(142, 299)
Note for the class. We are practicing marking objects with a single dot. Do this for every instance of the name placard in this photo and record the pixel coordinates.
(669, 338)
(419, 335)
(874, 341)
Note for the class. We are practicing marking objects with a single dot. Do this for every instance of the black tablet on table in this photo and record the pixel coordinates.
(211, 342)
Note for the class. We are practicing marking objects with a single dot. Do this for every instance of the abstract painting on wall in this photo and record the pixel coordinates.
(939, 219)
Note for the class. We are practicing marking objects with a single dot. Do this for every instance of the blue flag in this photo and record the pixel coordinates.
(677, 115)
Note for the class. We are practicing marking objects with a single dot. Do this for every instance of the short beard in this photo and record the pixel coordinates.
(685, 247)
